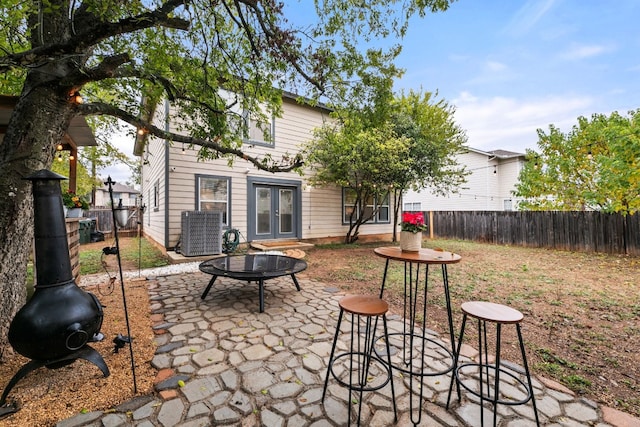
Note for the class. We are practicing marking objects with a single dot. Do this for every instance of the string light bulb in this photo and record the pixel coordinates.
(495, 169)
(72, 157)
(182, 148)
(59, 157)
(142, 131)
(59, 147)
(75, 97)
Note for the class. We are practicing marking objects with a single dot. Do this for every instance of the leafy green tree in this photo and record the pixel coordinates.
(360, 160)
(379, 152)
(595, 166)
(436, 140)
(124, 58)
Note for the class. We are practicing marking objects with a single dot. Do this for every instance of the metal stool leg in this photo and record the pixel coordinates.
(526, 370)
(333, 350)
(390, 369)
(454, 375)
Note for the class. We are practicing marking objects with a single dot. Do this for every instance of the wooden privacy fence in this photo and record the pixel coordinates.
(104, 222)
(574, 231)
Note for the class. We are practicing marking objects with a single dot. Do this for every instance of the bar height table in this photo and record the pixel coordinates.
(414, 342)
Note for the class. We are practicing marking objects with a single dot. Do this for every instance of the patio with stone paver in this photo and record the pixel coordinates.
(221, 362)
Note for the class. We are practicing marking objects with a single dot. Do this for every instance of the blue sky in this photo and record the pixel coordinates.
(511, 67)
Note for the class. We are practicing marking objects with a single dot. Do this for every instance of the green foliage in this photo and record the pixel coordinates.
(437, 140)
(594, 166)
(71, 200)
(84, 183)
(211, 61)
(391, 145)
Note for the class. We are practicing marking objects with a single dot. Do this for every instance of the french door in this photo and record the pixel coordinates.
(276, 211)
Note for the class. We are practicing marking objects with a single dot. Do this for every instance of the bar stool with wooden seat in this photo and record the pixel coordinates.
(499, 315)
(365, 311)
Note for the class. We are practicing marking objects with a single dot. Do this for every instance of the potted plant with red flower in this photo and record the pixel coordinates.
(411, 229)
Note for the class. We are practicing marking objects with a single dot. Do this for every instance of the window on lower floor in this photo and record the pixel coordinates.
(213, 195)
(156, 195)
(371, 205)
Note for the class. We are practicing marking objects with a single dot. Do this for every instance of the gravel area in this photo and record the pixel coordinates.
(186, 267)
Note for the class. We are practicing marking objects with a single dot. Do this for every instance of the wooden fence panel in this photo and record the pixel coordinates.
(632, 233)
(573, 231)
(104, 222)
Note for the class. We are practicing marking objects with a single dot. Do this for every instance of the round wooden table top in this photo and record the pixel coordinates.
(423, 256)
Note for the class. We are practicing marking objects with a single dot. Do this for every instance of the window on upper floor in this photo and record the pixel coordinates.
(213, 194)
(257, 130)
(371, 205)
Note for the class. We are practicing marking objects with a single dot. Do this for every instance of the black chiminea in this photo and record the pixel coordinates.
(55, 325)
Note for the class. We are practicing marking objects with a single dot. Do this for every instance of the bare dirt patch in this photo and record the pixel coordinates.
(46, 396)
(582, 311)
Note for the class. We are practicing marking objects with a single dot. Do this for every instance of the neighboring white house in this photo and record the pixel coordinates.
(494, 175)
(260, 205)
(128, 195)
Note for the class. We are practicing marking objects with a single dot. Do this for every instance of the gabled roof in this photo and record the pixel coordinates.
(119, 188)
(498, 154)
(504, 154)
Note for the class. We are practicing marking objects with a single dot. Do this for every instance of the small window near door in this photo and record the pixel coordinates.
(508, 205)
(213, 195)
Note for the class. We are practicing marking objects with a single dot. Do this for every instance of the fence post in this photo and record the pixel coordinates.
(431, 224)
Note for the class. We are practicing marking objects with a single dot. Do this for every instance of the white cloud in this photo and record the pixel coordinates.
(120, 172)
(528, 16)
(584, 51)
(511, 123)
(495, 66)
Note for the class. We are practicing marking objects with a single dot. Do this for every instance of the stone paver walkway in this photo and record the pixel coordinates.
(221, 362)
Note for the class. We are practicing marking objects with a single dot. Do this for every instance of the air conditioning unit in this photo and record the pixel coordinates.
(201, 233)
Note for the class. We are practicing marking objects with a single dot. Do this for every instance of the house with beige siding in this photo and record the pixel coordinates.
(262, 206)
(493, 178)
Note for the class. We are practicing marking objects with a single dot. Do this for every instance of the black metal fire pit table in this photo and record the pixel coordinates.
(253, 268)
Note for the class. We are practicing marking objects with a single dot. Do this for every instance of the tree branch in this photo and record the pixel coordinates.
(94, 34)
(98, 108)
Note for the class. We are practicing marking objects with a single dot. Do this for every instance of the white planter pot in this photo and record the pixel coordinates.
(74, 213)
(410, 242)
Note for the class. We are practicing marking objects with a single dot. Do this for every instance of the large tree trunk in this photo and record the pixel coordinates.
(38, 123)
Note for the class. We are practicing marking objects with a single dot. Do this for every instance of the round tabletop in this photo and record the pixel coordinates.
(423, 256)
(253, 266)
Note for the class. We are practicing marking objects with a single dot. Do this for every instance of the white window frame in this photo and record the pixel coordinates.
(377, 219)
(226, 201)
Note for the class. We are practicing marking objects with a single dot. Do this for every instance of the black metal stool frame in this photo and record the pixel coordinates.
(482, 343)
(367, 356)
